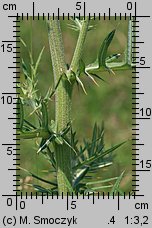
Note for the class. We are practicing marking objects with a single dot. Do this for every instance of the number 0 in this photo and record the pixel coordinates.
(129, 5)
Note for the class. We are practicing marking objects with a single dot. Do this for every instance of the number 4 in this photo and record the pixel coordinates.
(112, 220)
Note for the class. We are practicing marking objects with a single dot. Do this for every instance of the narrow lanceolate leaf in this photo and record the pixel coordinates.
(45, 143)
(38, 178)
(100, 62)
(82, 71)
(80, 176)
(23, 42)
(42, 189)
(116, 186)
(56, 86)
(48, 95)
(69, 186)
(112, 58)
(81, 84)
(95, 157)
(101, 181)
(51, 157)
(37, 63)
(25, 70)
(95, 189)
(44, 115)
(104, 48)
(77, 26)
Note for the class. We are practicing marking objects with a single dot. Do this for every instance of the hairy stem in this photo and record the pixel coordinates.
(79, 47)
(62, 104)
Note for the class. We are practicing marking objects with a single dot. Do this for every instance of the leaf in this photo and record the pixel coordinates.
(25, 70)
(45, 143)
(78, 24)
(97, 156)
(42, 189)
(113, 57)
(80, 176)
(69, 186)
(101, 181)
(104, 48)
(42, 145)
(102, 55)
(82, 70)
(23, 42)
(38, 178)
(115, 188)
(95, 189)
(100, 165)
(52, 127)
(51, 157)
(37, 63)
(44, 115)
(66, 130)
(30, 125)
(48, 95)
(81, 84)
(59, 140)
(56, 86)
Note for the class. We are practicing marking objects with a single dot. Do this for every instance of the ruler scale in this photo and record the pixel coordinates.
(132, 210)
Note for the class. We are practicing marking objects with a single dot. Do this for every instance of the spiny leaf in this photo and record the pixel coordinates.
(59, 140)
(48, 95)
(68, 144)
(112, 58)
(115, 188)
(52, 158)
(42, 145)
(45, 143)
(69, 186)
(95, 189)
(101, 181)
(42, 189)
(25, 70)
(81, 84)
(52, 126)
(66, 129)
(56, 86)
(104, 48)
(23, 42)
(97, 156)
(78, 24)
(37, 62)
(82, 70)
(30, 124)
(102, 55)
(99, 166)
(44, 115)
(38, 178)
(80, 176)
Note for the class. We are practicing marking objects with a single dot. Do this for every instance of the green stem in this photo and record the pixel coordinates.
(79, 47)
(40, 133)
(62, 104)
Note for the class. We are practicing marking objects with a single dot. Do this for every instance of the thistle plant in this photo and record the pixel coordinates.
(72, 164)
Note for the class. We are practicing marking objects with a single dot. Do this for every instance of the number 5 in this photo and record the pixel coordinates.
(78, 6)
